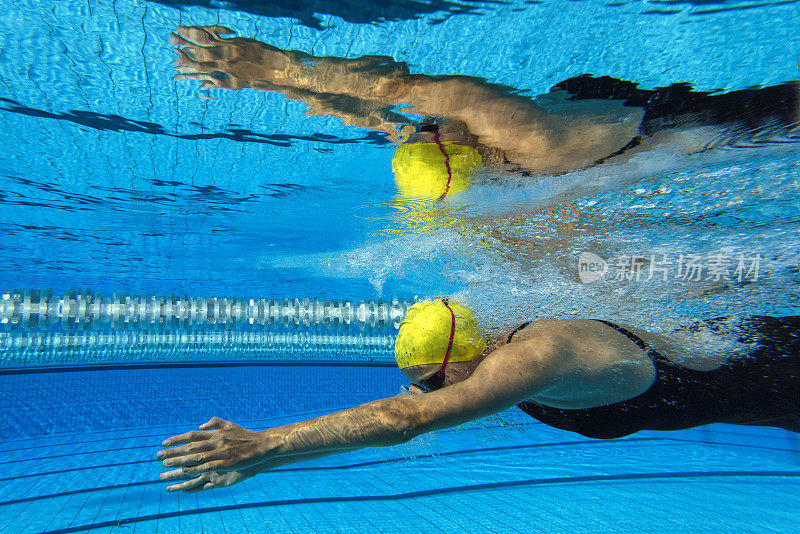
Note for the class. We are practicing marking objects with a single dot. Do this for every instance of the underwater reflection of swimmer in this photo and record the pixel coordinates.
(465, 122)
(593, 377)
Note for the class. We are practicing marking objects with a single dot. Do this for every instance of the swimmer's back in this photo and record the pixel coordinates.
(760, 386)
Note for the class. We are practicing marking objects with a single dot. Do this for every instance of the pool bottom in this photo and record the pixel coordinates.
(502, 474)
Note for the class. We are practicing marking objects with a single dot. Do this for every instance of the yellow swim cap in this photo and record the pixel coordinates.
(425, 334)
(420, 170)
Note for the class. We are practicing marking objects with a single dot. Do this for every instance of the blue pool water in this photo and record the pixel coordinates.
(118, 181)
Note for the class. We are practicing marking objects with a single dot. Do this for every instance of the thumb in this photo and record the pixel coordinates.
(214, 422)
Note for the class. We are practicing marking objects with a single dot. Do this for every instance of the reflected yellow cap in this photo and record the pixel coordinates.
(420, 171)
(425, 334)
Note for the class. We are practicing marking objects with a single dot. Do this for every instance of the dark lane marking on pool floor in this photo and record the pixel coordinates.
(351, 466)
(588, 479)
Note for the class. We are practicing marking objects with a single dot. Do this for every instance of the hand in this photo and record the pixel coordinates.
(215, 480)
(218, 447)
(227, 63)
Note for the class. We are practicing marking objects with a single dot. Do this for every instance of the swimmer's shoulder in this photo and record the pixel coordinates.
(587, 343)
(702, 348)
(595, 365)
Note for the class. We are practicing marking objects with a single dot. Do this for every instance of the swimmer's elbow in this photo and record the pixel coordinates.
(401, 417)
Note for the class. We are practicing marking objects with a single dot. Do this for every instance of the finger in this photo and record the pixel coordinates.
(217, 32)
(187, 437)
(178, 40)
(177, 474)
(209, 82)
(215, 83)
(207, 467)
(194, 76)
(185, 450)
(201, 54)
(193, 459)
(207, 485)
(214, 422)
(187, 62)
(189, 484)
(220, 30)
(196, 60)
(206, 97)
(198, 35)
(210, 85)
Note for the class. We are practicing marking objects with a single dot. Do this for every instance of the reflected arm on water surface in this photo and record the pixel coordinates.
(238, 63)
(551, 135)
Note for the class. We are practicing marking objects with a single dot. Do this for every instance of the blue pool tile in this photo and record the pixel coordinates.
(168, 525)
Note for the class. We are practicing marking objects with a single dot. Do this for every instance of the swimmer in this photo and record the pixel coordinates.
(581, 122)
(594, 377)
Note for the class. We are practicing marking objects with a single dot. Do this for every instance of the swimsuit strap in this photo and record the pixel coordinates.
(446, 302)
(653, 354)
(517, 329)
(627, 333)
(636, 141)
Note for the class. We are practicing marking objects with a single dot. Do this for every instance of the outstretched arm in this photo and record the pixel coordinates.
(219, 448)
(554, 137)
(368, 83)
(344, 88)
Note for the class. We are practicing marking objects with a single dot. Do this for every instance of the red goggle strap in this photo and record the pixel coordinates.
(452, 335)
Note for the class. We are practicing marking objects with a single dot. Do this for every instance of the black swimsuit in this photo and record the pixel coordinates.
(760, 388)
(757, 115)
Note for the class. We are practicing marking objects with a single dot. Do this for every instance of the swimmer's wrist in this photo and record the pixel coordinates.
(272, 443)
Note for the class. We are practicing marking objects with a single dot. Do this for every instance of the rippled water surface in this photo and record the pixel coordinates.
(116, 178)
